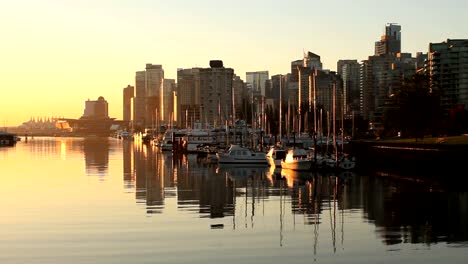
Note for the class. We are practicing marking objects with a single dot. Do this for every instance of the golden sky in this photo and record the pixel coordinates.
(57, 54)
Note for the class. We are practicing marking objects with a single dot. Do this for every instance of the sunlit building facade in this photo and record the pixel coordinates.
(448, 69)
(128, 94)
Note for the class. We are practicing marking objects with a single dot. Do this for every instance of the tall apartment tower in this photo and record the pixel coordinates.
(204, 94)
(348, 70)
(448, 70)
(312, 61)
(128, 94)
(239, 93)
(153, 82)
(390, 43)
(96, 109)
(216, 92)
(167, 100)
(188, 97)
(139, 102)
(257, 81)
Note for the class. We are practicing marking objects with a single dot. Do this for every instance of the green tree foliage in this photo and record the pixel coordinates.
(414, 109)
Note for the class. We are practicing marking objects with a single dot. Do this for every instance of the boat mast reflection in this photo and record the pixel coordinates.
(209, 191)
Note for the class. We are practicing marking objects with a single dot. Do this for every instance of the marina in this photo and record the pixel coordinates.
(102, 195)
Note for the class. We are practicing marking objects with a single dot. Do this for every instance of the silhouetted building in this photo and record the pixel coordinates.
(239, 90)
(153, 82)
(390, 43)
(448, 69)
(139, 106)
(312, 61)
(96, 109)
(348, 70)
(257, 81)
(95, 120)
(204, 94)
(128, 94)
(167, 101)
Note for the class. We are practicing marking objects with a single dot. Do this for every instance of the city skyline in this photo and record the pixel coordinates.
(58, 54)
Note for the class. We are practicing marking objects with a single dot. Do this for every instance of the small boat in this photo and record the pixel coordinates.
(8, 139)
(194, 138)
(240, 155)
(297, 159)
(275, 155)
(346, 163)
(170, 137)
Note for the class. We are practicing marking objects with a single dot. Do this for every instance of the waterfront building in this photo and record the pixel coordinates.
(139, 101)
(239, 93)
(216, 93)
(312, 61)
(348, 70)
(390, 42)
(188, 97)
(382, 74)
(94, 121)
(128, 94)
(315, 91)
(257, 81)
(375, 79)
(448, 70)
(205, 94)
(167, 101)
(96, 109)
(153, 81)
(279, 85)
(294, 77)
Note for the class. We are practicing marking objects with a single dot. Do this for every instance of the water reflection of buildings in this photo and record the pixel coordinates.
(414, 211)
(96, 152)
(403, 211)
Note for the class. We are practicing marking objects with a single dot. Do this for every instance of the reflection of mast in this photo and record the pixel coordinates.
(234, 205)
(253, 202)
(280, 110)
(333, 217)
(316, 216)
(343, 202)
(281, 213)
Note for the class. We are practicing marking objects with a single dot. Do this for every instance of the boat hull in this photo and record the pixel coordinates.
(299, 165)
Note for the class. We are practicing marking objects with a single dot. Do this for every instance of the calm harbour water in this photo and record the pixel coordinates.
(75, 200)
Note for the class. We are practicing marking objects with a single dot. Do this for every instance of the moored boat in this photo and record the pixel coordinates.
(8, 139)
(297, 159)
(240, 155)
(275, 155)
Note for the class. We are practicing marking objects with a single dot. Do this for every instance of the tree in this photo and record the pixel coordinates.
(415, 110)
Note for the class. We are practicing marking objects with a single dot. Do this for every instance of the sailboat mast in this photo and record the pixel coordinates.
(334, 123)
(280, 107)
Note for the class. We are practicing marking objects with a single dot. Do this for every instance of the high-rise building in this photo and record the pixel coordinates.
(279, 85)
(348, 70)
(257, 81)
(239, 90)
(312, 61)
(188, 97)
(448, 69)
(153, 82)
(205, 94)
(139, 102)
(128, 94)
(96, 109)
(375, 80)
(216, 92)
(380, 77)
(294, 77)
(167, 103)
(390, 43)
